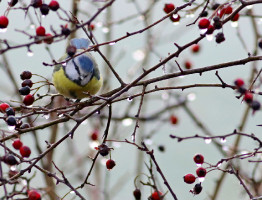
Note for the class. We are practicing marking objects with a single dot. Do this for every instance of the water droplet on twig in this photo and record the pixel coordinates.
(208, 140)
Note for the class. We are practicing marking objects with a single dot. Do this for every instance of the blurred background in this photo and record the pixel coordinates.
(217, 109)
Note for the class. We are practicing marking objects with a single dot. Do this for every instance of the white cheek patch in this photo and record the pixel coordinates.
(80, 70)
(71, 71)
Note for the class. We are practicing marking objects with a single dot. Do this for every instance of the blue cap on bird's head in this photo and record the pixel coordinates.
(80, 43)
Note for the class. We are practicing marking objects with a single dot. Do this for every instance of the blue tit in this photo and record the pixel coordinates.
(79, 77)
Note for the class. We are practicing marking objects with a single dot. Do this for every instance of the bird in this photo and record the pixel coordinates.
(79, 77)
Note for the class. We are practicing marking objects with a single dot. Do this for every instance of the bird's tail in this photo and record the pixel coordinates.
(80, 43)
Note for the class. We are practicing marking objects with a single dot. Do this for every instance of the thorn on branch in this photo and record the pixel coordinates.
(181, 70)
(177, 45)
(222, 82)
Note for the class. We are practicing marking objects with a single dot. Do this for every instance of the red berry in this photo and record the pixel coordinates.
(201, 172)
(40, 31)
(110, 164)
(175, 18)
(248, 97)
(173, 119)
(3, 21)
(94, 135)
(54, 5)
(3, 107)
(29, 100)
(169, 7)
(25, 151)
(203, 23)
(17, 144)
(235, 18)
(210, 29)
(49, 38)
(189, 178)
(239, 82)
(199, 159)
(92, 26)
(188, 64)
(34, 195)
(195, 48)
(155, 195)
(228, 10)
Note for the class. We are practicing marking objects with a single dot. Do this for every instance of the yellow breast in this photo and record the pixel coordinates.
(69, 89)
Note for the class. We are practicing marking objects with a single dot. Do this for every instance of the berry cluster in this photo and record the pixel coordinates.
(44, 8)
(200, 172)
(169, 7)
(26, 88)
(41, 34)
(104, 150)
(25, 151)
(205, 24)
(10, 118)
(248, 96)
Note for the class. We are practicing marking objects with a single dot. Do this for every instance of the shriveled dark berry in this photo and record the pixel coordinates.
(10, 111)
(220, 37)
(65, 31)
(12, 3)
(218, 25)
(27, 82)
(71, 50)
(11, 120)
(25, 75)
(216, 19)
(10, 159)
(161, 148)
(197, 189)
(24, 90)
(137, 194)
(36, 3)
(44, 9)
(215, 6)
(25, 125)
(255, 105)
(204, 14)
(242, 90)
(260, 44)
(103, 150)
